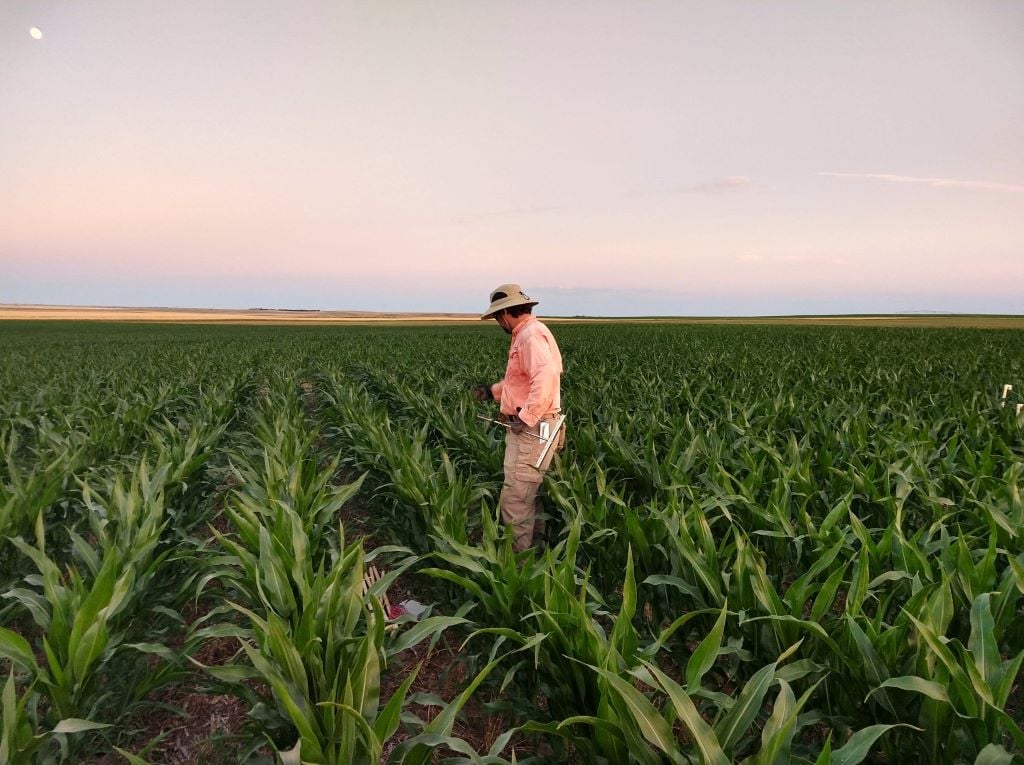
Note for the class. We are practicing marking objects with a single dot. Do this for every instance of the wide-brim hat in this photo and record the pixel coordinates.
(507, 296)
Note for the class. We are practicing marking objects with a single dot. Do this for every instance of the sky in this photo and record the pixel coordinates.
(617, 158)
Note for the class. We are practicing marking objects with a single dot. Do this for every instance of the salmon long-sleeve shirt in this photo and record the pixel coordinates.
(533, 375)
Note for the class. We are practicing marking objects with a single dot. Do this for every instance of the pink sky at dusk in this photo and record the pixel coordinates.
(617, 158)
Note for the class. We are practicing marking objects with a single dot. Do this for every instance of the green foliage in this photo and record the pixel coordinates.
(765, 544)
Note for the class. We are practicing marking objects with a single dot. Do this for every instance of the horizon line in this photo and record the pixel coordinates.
(366, 313)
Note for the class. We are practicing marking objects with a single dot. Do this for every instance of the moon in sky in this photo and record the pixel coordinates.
(36, 33)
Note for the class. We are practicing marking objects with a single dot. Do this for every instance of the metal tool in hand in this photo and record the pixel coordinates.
(508, 425)
(548, 434)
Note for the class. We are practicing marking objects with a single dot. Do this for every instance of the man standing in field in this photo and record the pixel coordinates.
(529, 396)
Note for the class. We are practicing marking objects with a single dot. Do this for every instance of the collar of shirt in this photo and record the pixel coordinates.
(518, 329)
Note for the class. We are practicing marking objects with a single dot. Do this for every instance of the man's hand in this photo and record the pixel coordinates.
(514, 423)
(482, 393)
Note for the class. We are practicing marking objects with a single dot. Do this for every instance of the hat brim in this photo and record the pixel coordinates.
(501, 305)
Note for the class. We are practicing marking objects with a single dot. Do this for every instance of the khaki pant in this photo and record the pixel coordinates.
(520, 503)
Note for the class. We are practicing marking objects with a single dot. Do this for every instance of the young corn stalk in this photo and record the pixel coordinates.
(311, 630)
(321, 648)
(84, 665)
(426, 494)
(23, 739)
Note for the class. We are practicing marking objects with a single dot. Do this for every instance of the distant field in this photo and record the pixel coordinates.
(946, 321)
(298, 317)
(909, 320)
(214, 315)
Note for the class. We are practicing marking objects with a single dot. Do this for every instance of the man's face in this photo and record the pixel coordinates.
(504, 322)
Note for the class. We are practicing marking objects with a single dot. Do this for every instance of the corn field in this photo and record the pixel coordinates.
(764, 545)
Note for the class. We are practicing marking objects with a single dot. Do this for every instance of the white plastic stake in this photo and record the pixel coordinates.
(1006, 389)
(551, 439)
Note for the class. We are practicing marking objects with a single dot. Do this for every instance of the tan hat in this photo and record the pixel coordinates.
(507, 296)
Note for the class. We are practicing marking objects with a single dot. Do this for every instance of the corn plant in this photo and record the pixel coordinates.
(963, 691)
(20, 739)
(87, 613)
(321, 650)
(427, 495)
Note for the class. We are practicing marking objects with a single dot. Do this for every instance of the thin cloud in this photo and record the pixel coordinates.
(939, 183)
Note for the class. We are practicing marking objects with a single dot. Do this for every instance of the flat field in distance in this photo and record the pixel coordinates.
(765, 539)
(275, 316)
(214, 315)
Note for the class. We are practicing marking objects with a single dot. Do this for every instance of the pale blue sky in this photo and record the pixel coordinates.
(619, 158)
